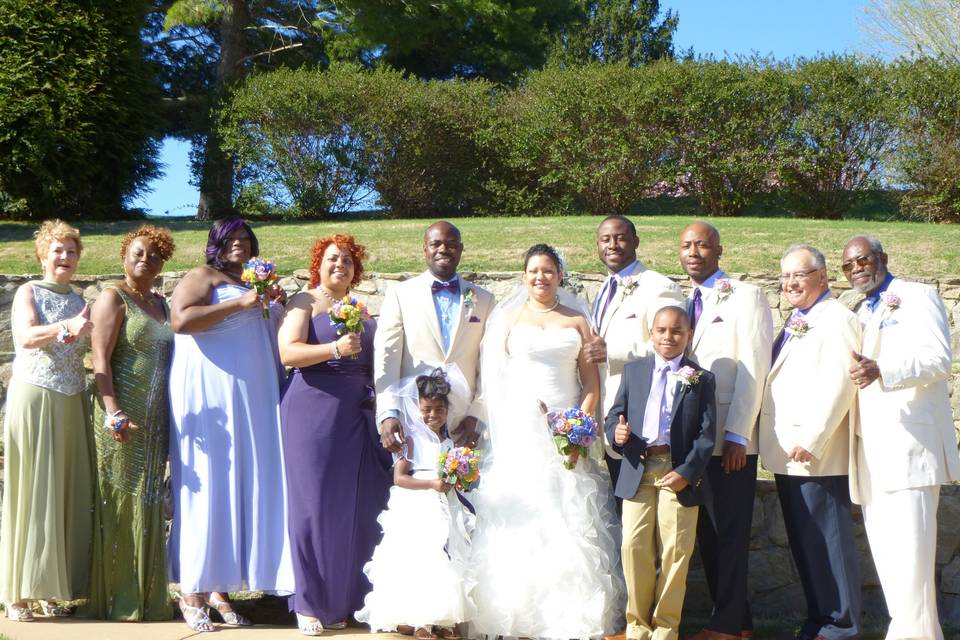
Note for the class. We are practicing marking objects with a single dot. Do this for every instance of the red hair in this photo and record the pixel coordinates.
(345, 243)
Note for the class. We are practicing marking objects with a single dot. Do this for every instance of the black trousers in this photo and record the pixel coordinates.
(816, 512)
(723, 534)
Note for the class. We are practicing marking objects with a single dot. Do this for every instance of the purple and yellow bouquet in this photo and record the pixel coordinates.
(347, 315)
(261, 275)
(573, 432)
(459, 466)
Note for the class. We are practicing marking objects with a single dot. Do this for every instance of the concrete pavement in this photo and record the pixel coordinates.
(76, 629)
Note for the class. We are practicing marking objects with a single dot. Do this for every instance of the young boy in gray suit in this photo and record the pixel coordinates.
(662, 423)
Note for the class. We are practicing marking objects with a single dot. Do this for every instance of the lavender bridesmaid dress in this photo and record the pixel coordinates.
(338, 476)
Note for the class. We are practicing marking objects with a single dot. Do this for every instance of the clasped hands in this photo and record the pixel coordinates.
(672, 481)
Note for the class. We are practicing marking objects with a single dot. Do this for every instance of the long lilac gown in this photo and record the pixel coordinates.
(226, 460)
(338, 476)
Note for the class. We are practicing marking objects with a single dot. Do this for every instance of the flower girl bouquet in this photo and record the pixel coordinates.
(573, 432)
(347, 315)
(459, 466)
(261, 275)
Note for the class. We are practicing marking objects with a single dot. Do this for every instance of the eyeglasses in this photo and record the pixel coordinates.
(860, 261)
(797, 275)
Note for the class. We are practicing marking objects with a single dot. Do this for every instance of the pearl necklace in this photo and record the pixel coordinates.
(328, 296)
(555, 305)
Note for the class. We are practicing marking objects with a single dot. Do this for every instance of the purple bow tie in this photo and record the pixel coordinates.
(453, 286)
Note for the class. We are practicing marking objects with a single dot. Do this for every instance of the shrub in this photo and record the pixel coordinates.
(839, 130)
(927, 161)
(296, 139)
(587, 138)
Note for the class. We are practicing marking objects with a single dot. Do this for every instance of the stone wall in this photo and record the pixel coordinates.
(773, 579)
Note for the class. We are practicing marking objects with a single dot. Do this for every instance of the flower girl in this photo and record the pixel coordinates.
(418, 571)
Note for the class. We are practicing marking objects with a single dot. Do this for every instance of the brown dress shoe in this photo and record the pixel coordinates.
(709, 634)
(405, 629)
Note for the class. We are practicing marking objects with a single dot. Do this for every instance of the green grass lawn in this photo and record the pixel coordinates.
(497, 244)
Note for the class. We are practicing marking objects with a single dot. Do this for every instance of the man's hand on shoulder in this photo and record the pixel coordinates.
(391, 435)
(467, 432)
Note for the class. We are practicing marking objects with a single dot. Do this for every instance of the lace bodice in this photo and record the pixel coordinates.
(54, 366)
(542, 364)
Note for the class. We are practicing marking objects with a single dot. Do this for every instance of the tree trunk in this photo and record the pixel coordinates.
(216, 177)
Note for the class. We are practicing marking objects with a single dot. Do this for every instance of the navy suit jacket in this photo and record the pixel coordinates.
(692, 430)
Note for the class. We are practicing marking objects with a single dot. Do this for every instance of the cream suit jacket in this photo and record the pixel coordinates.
(808, 396)
(408, 340)
(626, 329)
(905, 432)
(733, 340)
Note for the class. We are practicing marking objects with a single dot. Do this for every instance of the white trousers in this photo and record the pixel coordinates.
(902, 530)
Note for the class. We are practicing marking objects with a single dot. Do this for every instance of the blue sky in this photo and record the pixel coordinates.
(781, 28)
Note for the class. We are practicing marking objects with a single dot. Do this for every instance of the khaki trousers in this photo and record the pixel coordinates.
(656, 525)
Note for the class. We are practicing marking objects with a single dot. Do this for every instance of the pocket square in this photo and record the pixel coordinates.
(632, 316)
(889, 322)
(716, 320)
(474, 319)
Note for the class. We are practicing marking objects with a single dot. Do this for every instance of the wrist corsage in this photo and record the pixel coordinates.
(116, 421)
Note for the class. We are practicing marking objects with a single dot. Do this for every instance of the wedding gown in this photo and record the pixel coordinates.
(546, 550)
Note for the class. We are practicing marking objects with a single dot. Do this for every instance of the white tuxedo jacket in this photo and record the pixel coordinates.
(808, 396)
(733, 340)
(626, 328)
(905, 436)
(408, 340)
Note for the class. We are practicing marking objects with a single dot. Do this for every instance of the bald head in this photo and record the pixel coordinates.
(700, 251)
(442, 248)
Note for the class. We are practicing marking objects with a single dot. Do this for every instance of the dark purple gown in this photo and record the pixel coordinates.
(338, 477)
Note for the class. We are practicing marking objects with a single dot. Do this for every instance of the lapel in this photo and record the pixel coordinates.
(681, 391)
(619, 297)
(643, 391)
(793, 341)
(425, 298)
(871, 328)
(711, 308)
(461, 311)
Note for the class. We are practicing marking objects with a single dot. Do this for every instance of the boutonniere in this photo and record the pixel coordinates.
(723, 289)
(468, 304)
(628, 285)
(797, 326)
(688, 376)
(891, 300)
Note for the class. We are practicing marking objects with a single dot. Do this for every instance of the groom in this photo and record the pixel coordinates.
(430, 320)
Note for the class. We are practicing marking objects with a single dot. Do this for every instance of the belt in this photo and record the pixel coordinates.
(659, 450)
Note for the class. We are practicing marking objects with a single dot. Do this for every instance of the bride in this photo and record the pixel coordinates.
(546, 547)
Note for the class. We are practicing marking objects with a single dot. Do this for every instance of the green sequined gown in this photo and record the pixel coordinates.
(129, 572)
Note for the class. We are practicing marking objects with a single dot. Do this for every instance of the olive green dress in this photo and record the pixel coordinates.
(129, 570)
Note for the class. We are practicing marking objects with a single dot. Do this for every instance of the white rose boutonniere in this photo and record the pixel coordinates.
(688, 376)
(797, 326)
(891, 300)
(628, 285)
(723, 289)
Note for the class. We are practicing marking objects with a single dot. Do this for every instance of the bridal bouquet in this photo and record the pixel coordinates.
(573, 432)
(261, 275)
(347, 315)
(459, 466)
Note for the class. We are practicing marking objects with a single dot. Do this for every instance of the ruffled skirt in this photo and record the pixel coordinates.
(418, 571)
(546, 550)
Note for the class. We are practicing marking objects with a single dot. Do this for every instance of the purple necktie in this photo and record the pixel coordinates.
(611, 290)
(653, 413)
(696, 308)
(778, 345)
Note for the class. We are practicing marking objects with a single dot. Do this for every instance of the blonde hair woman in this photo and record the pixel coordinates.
(45, 529)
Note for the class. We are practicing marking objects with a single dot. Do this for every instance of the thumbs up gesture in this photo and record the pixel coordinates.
(622, 432)
(80, 324)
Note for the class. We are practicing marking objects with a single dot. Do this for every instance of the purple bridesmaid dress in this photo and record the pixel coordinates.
(338, 477)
